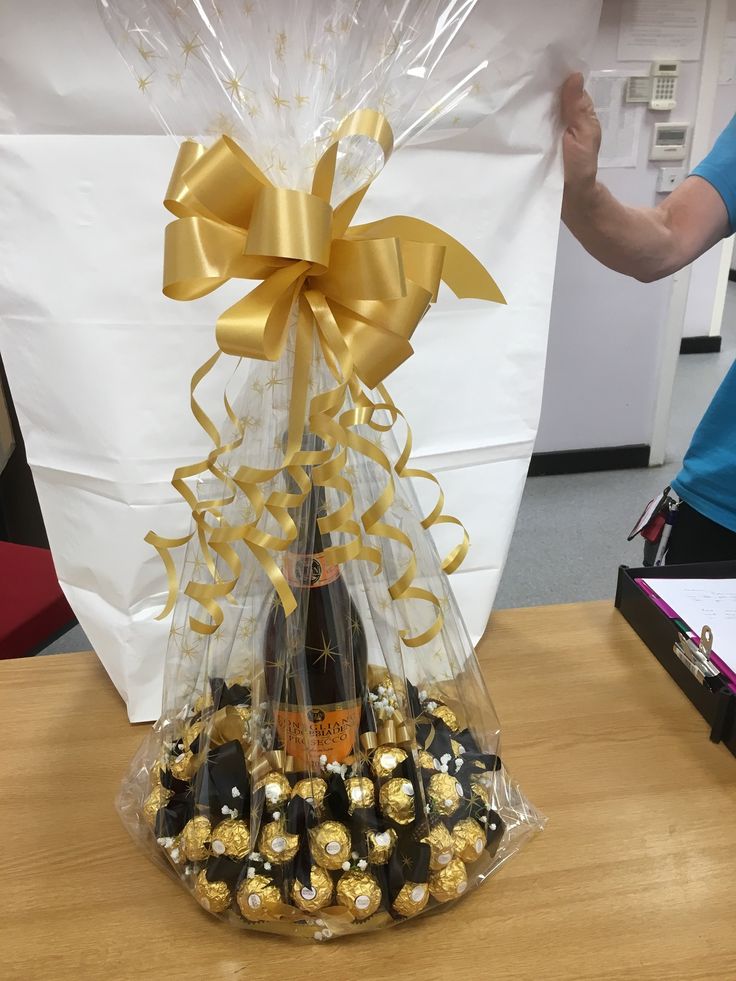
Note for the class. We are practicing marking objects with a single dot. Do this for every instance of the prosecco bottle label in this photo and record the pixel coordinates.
(318, 730)
(309, 571)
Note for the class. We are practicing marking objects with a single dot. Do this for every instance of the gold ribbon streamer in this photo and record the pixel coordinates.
(363, 289)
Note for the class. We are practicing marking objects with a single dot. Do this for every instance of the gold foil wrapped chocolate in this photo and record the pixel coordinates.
(277, 790)
(468, 839)
(276, 844)
(213, 896)
(315, 896)
(385, 760)
(360, 792)
(450, 882)
(231, 838)
(445, 793)
(195, 838)
(312, 789)
(158, 798)
(259, 899)
(448, 717)
(397, 800)
(425, 760)
(183, 766)
(330, 843)
(411, 898)
(441, 847)
(380, 845)
(360, 893)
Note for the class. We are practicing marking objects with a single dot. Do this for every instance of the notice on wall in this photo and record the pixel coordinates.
(620, 121)
(651, 29)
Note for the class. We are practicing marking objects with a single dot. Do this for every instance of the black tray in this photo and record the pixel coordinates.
(659, 633)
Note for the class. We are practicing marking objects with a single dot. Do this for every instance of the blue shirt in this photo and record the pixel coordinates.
(707, 481)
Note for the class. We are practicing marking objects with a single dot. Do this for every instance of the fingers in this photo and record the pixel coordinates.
(571, 99)
(578, 112)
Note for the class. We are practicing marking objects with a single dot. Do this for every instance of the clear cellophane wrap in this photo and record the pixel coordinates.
(408, 805)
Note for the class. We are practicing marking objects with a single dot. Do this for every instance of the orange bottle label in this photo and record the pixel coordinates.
(309, 571)
(318, 730)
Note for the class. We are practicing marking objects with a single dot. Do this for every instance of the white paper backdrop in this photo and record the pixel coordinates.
(86, 335)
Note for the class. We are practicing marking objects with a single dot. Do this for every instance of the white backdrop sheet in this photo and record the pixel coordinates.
(99, 361)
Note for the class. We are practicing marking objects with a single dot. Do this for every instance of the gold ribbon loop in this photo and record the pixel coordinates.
(290, 225)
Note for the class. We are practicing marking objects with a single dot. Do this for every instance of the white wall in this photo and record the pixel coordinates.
(607, 332)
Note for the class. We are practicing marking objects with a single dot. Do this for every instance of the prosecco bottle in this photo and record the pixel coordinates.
(316, 662)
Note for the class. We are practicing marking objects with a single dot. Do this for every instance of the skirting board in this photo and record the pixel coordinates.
(702, 344)
(559, 462)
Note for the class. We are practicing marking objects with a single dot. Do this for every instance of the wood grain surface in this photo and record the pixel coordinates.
(634, 878)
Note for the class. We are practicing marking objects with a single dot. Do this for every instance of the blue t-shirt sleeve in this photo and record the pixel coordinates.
(719, 169)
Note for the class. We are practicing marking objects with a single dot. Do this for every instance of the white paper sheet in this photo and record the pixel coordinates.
(99, 361)
(652, 29)
(620, 121)
(701, 602)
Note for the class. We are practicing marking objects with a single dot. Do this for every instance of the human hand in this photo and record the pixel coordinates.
(581, 140)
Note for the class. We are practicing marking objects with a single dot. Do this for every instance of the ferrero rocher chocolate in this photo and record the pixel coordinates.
(360, 792)
(214, 896)
(195, 838)
(448, 883)
(445, 793)
(425, 760)
(259, 899)
(330, 844)
(277, 790)
(441, 848)
(397, 800)
(231, 838)
(313, 790)
(448, 717)
(183, 766)
(158, 797)
(468, 839)
(315, 896)
(276, 844)
(380, 845)
(411, 898)
(385, 760)
(360, 893)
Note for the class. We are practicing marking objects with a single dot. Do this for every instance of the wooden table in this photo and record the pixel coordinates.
(634, 878)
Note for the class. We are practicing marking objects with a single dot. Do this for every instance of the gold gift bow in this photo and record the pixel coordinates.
(365, 289)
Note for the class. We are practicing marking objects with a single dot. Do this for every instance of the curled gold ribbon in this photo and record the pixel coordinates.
(362, 290)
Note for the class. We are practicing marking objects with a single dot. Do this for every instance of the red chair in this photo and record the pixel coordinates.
(33, 610)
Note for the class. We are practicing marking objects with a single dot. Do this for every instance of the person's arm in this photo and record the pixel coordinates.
(646, 243)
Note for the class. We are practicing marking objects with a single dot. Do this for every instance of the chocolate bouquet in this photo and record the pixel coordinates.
(327, 757)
